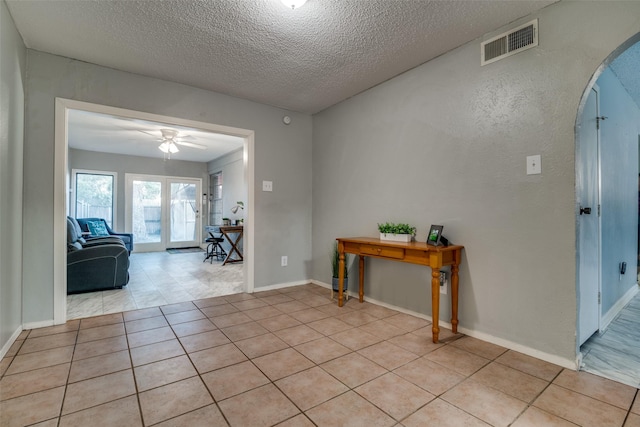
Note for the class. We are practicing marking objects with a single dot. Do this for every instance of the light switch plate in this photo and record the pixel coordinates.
(534, 165)
(267, 185)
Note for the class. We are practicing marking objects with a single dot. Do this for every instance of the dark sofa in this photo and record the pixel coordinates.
(127, 238)
(95, 265)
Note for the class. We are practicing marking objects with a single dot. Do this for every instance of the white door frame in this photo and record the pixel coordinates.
(62, 183)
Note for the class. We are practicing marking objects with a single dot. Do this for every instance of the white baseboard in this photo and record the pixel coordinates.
(551, 358)
(281, 285)
(617, 307)
(5, 348)
(36, 325)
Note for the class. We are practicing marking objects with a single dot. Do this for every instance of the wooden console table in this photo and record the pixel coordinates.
(238, 230)
(420, 253)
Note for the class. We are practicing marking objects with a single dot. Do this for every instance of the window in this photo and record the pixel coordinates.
(94, 193)
(215, 206)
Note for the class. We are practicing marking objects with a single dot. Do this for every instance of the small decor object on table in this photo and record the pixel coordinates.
(435, 238)
(335, 271)
(396, 232)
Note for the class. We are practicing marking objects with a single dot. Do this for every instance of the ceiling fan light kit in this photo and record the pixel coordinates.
(293, 4)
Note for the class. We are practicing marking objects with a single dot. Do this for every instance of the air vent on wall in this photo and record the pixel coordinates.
(506, 44)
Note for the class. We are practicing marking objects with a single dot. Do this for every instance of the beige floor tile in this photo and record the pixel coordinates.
(94, 322)
(490, 405)
(24, 334)
(193, 327)
(635, 408)
(406, 322)
(249, 304)
(204, 340)
(209, 302)
(49, 423)
(633, 420)
(163, 372)
(335, 413)
(122, 412)
(599, 388)
(381, 329)
(268, 407)
(261, 345)
(356, 339)
(356, 318)
(353, 369)
(457, 360)
(534, 417)
(308, 315)
(394, 395)
(32, 408)
(322, 350)
(298, 421)
(263, 313)
(232, 380)
(178, 308)
(244, 331)
(12, 386)
(100, 332)
(48, 342)
(40, 359)
(162, 403)
(209, 416)
(4, 364)
(15, 347)
(481, 348)
(238, 297)
(530, 365)
(282, 363)
(317, 300)
(151, 336)
(378, 311)
(439, 413)
(329, 326)
(276, 299)
(292, 306)
(578, 408)
(99, 365)
(311, 387)
(185, 316)
(141, 314)
(96, 391)
(70, 326)
(145, 324)
(219, 310)
(388, 355)
(217, 357)
(276, 323)
(228, 320)
(415, 344)
(511, 381)
(431, 376)
(298, 335)
(155, 352)
(100, 347)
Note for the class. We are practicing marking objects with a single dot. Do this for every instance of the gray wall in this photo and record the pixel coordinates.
(12, 76)
(619, 165)
(446, 143)
(282, 155)
(234, 188)
(82, 159)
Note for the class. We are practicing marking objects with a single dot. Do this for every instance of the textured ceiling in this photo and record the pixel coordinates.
(626, 67)
(302, 60)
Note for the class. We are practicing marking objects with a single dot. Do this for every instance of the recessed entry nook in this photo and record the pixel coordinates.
(607, 216)
(62, 183)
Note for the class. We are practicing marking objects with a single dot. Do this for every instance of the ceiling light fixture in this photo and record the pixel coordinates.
(293, 4)
(168, 147)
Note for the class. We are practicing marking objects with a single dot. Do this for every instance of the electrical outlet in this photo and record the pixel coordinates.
(443, 283)
(284, 261)
(267, 185)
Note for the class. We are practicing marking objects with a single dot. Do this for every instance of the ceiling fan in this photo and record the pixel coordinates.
(170, 140)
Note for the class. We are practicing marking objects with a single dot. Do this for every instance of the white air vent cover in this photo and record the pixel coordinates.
(513, 41)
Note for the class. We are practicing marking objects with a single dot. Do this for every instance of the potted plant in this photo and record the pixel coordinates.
(396, 232)
(335, 269)
(226, 221)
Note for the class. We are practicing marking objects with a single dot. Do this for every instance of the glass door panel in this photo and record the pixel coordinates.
(146, 211)
(184, 213)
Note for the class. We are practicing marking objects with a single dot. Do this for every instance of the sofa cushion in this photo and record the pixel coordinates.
(97, 228)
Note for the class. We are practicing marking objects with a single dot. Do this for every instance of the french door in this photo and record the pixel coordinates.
(163, 212)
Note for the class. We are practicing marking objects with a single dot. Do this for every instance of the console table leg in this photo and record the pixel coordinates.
(454, 298)
(361, 278)
(435, 302)
(340, 273)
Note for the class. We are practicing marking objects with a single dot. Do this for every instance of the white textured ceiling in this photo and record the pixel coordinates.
(302, 60)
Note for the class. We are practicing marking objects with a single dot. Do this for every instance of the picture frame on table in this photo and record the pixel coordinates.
(434, 238)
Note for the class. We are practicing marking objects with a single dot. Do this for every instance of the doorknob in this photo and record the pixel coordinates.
(586, 211)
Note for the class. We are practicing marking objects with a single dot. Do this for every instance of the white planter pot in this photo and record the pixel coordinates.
(396, 237)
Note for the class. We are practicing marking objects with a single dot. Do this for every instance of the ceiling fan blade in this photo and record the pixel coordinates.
(191, 144)
(148, 133)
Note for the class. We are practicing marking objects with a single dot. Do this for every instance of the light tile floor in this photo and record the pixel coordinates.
(289, 357)
(161, 278)
(615, 353)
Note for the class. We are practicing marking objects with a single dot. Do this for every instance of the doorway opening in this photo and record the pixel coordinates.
(62, 185)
